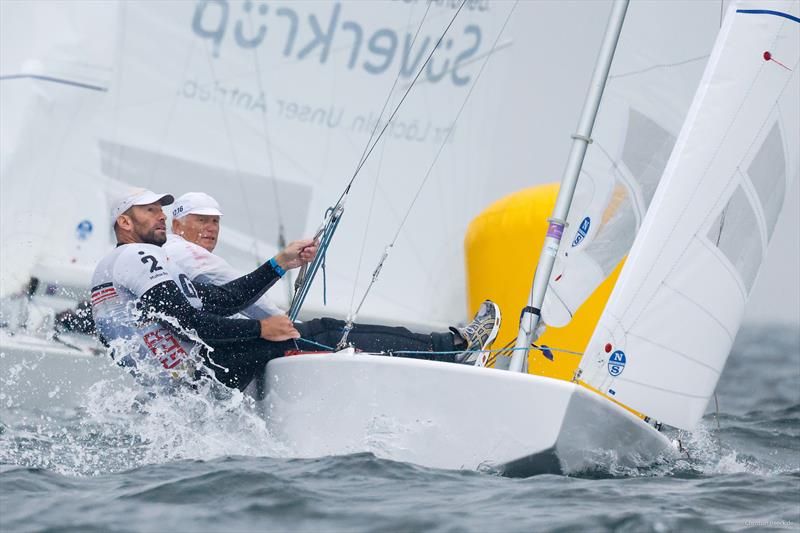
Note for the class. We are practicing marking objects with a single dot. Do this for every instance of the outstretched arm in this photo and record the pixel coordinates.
(242, 292)
(232, 297)
(167, 300)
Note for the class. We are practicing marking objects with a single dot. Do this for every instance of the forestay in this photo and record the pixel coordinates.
(653, 79)
(667, 330)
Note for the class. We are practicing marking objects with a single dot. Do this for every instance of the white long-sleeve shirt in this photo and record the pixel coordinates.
(205, 267)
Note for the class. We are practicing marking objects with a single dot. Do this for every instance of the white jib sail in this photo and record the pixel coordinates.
(666, 332)
(647, 97)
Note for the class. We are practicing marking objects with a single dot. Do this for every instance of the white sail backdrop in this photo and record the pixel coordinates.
(666, 332)
(182, 112)
(53, 80)
(269, 107)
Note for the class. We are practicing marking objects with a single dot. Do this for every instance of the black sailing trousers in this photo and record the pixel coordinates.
(244, 360)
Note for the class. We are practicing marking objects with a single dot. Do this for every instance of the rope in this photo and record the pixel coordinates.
(429, 352)
(450, 352)
(315, 343)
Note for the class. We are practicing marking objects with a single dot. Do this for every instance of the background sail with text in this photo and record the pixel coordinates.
(268, 107)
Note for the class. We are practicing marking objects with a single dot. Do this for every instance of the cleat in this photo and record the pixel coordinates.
(479, 334)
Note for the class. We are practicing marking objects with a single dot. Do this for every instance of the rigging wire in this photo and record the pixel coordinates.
(367, 228)
(380, 160)
(364, 154)
(397, 107)
(376, 272)
(333, 214)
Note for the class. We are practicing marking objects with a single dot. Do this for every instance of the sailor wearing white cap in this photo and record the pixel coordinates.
(195, 229)
(148, 311)
(160, 323)
(137, 197)
(198, 203)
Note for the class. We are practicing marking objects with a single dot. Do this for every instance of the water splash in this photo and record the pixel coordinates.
(119, 427)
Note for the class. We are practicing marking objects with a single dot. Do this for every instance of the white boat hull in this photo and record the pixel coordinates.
(37, 373)
(449, 416)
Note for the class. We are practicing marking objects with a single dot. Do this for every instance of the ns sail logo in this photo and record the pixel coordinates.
(616, 363)
(583, 230)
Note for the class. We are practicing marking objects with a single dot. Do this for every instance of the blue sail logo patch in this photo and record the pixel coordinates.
(582, 231)
(616, 363)
(84, 229)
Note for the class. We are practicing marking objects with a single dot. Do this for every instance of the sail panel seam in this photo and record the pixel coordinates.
(659, 66)
(685, 356)
(725, 262)
(53, 79)
(663, 389)
(703, 309)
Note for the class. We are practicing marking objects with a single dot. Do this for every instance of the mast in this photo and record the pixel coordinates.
(531, 314)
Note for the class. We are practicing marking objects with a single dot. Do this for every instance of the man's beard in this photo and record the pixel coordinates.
(152, 238)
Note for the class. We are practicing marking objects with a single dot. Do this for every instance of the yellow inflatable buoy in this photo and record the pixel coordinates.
(502, 247)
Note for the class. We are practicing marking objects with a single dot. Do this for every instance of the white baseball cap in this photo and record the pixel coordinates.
(195, 203)
(137, 197)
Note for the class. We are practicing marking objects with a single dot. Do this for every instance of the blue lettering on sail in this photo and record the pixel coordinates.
(583, 230)
(616, 363)
(247, 25)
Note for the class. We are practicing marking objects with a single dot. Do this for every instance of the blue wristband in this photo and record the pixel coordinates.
(276, 267)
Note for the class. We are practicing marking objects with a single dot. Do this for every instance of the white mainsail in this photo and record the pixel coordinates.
(666, 332)
(647, 96)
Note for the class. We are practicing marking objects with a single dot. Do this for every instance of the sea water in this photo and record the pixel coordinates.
(205, 462)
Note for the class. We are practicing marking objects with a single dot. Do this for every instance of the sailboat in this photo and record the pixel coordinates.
(246, 106)
(665, 334)
(181, 105)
